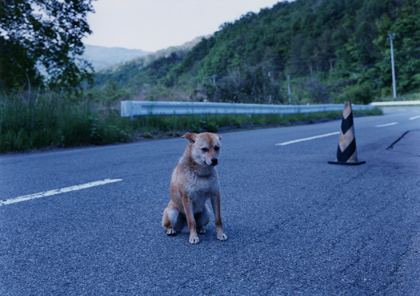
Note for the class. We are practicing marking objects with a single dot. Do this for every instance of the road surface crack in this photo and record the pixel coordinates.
(399, 139)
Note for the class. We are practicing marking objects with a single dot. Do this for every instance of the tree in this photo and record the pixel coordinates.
(406, 48)
(340, 45)
(47, 33)
(246, 84)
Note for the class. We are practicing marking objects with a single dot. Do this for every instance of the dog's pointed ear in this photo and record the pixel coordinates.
(189, 136)
(219, 136)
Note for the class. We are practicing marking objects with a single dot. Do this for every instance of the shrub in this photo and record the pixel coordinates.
(357, 94)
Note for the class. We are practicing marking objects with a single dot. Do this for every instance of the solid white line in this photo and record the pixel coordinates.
(307, 139)
(415, 117)
(388, 124)
(57, 191)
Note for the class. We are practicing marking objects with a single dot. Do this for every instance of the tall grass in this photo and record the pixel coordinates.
(215, 122)
(51, 120)
(28, 123)
(405, 97)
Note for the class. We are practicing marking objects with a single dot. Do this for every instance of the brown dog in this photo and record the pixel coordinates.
(194, 180)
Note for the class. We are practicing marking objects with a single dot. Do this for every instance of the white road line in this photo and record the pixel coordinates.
(415, 117)
(388, 124)
(307, 139)
(57, 191)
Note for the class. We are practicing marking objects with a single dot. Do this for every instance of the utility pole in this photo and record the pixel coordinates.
(394, 85)
(214, 79)
(288, 89)
(310, 68)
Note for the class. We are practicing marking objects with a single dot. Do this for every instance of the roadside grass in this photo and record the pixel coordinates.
(405, 97)
(217, 122)
(50, 121)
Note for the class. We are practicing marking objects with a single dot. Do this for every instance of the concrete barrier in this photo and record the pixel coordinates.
(396, 103)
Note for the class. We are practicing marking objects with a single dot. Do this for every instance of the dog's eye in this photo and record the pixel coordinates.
(216, 148)
(205, 149)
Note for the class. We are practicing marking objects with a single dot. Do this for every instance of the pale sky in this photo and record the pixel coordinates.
(151, 25)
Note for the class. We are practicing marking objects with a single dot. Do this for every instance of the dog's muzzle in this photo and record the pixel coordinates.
(214, 161)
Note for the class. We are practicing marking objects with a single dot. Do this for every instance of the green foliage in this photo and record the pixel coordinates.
(49, 120)
(327, 47)
(406, 27)
(137, 74)
(47, 32)
(245, 85)
(13, 59)
(357, 94)
(197, 53)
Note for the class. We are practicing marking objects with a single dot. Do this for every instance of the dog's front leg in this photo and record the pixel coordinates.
(187, 203)
(215, 202)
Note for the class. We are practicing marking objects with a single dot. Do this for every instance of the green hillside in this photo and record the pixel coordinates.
(332, 50)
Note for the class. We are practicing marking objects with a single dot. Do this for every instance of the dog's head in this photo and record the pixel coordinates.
(204, 147)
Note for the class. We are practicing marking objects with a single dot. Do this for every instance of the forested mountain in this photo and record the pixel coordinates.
(101, 57)
(147, 69)
(331, 49)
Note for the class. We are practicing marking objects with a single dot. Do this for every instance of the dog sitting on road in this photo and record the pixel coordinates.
(194, 180)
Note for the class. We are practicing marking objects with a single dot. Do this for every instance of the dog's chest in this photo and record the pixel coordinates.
(203, 188)
(201, 191)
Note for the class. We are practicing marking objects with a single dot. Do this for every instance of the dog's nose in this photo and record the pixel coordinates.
(214, 161)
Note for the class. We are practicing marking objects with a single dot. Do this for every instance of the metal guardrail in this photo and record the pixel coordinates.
(396, 103)
(141, 108)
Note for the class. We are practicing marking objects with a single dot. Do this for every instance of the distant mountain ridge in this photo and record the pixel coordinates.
(147, 68)
(150, 57)
(101, 57)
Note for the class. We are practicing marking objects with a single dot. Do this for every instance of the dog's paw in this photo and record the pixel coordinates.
(201, 230)
(194, 240)
(170, 232)
(222, 237)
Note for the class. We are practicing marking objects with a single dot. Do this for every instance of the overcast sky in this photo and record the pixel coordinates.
(151, 25)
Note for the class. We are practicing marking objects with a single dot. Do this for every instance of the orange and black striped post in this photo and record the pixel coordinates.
(346, 151)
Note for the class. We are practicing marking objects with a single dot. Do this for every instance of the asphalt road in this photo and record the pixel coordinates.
(296, 225)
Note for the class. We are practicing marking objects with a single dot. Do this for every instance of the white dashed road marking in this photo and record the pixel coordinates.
(388, 124)
(307, 139)
(57, 191)
(415, 117)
